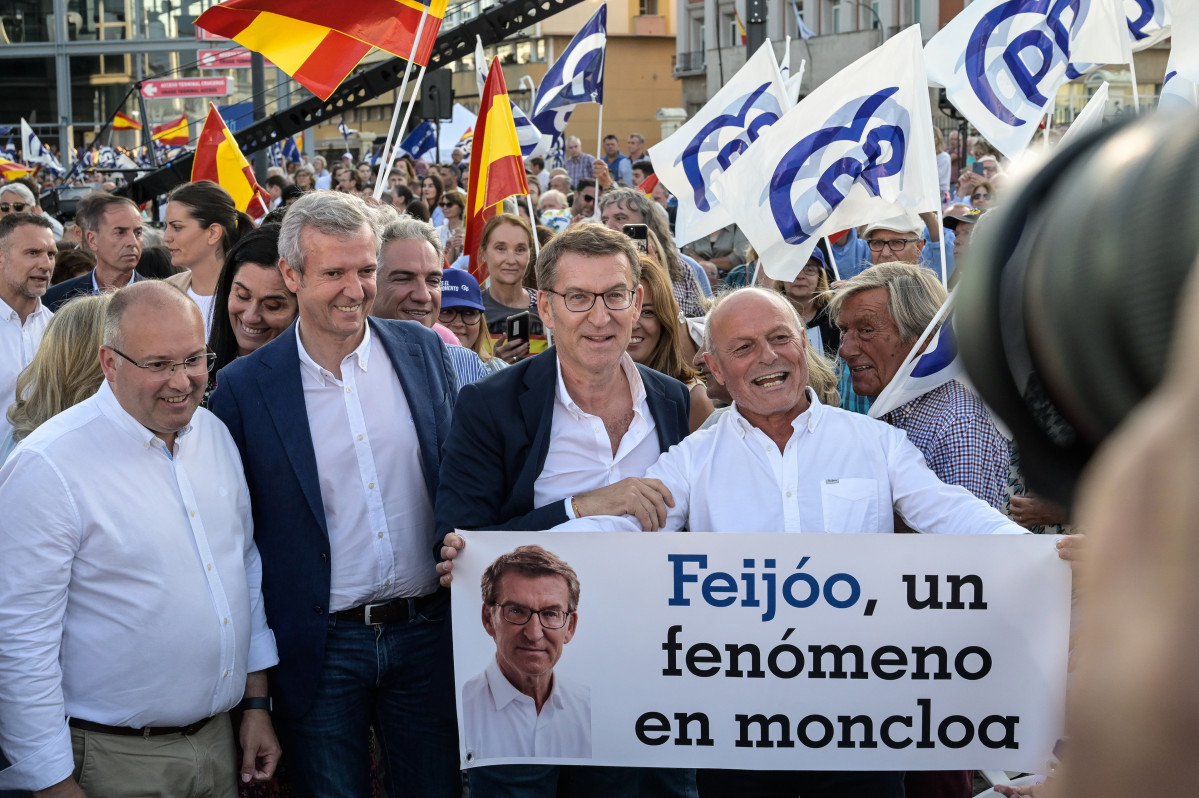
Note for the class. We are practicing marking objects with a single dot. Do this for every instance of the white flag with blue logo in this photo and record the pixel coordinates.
(35, 152)
(1148, 22)
(552, 125)
(847, 154)
(922, 371)
(9, 151)
(421, 140)
(1002, 61)
(690, 159)
(578, 74)
(527, 134)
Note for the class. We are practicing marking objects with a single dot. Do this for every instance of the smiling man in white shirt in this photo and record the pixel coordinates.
(130, 595)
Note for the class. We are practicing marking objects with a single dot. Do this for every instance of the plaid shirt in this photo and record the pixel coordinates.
(579, 168)
(953, 430)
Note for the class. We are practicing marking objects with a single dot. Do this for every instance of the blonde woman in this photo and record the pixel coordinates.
(65, 370)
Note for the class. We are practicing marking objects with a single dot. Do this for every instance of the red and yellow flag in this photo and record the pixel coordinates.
(319, 42)
(175, 133)
(12, 169)
(496, 168)
(740, 25)
(125, 122)
(219, 159)
(647, 185)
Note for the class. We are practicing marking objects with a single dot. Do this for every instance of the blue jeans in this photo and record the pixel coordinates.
(397, 677)
(575, 781)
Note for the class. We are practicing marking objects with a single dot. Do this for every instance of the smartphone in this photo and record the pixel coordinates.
(518, 326)
(978, 168)
(640, 235)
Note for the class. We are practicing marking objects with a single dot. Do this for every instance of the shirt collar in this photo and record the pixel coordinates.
(8, 314)
(636, 386)
(808, 419)
(503, 692)
(112, 410)
(361, 356)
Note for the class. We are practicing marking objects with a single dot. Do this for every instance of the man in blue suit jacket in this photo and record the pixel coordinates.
(340, 422)
(568, 433)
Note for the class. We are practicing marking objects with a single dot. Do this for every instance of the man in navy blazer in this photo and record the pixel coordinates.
(570, 432)
(340, 422)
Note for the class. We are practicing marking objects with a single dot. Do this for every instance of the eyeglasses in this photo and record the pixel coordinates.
(163, 370)
(446, 204)
(811, 270)
(468, 315)
(980, 196)
(583, 301)
(518, 615)
(588, 197)
(13, 206)
(896, 244)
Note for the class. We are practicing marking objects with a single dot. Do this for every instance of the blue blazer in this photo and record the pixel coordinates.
(260, 398)
(500, 438)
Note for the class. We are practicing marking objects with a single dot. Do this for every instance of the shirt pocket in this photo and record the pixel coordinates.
(850, 505)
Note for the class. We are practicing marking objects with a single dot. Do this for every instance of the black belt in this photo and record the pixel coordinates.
(397, 609)
(128, 731)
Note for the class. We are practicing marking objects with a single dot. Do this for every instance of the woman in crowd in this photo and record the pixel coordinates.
(202, 224)
(304, 179)
(983, 195)
(658, 334)
(505, 251)
(253, 306)
(431, 191)
(64, 371)
(453, 232)
(808, 294)
(462, 313)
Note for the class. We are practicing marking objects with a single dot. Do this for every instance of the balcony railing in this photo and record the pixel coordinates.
(687, 63)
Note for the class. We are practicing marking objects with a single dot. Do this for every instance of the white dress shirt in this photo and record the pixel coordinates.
(501, 721)
(18, 344)
(580, 455)
(839, 472)
(377, 507)
(130, 590)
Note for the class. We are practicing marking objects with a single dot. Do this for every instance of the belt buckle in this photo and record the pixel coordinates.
(366, 612)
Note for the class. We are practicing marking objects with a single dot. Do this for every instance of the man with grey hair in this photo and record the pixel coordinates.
(410, 269)
(881, 313)
(901, 238)
(112, 228)
(132, 609)
(340, 422)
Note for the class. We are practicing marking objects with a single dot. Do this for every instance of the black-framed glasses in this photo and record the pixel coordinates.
(519, 615)
(14, 206)
(469, 316)
(163, 370)
(446, 204)
(583, 301)
(896, 244)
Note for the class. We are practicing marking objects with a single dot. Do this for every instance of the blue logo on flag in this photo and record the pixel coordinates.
(1027, 57)
(707, 154)
(1150, 11)
(941, 355)
(874, 130)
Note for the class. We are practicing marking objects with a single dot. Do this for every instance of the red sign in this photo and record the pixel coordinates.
(204, 36)
(224, 59)
(187, 87)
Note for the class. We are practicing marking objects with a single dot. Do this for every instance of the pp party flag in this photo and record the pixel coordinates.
(496, 168)
(926, 367)
(526, 132)
(805, 32)
(125, 122)
(10, 169)
(291, 148)
(219, 159)
(1002, 61)
(318, 42)
(9, 151)
(552, 126)
(422, 139)
(690, 160)
(175, 133)
(1148, 22)
(849, 153)
(34, 152)
(1091, 117)
(578, 74)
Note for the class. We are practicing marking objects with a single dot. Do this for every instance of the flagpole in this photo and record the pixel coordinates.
(599, 143)
(385, 172)
(941, 241)
(1048, 122)
(533, 219)
(832, 259)
(1136, 94)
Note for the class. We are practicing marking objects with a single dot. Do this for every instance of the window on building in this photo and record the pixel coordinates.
(837, 18)
(648, 8)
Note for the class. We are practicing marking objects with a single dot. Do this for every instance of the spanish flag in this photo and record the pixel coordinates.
(647, 185)
(125, 122)
(11, 169)
(172, 134)
(219, 159)
(496, 168)
(740, 26)
(319, 42)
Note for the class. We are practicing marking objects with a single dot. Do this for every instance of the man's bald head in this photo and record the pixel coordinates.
(147, 299)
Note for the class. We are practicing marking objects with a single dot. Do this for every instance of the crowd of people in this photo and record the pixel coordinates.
(235, 454)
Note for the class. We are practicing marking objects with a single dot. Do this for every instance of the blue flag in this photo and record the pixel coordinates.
(291, 152)
(422, 139)
(578, 74)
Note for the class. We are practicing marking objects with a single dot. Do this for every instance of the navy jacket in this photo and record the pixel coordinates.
(57, 295)
(260, 398)
(500, 438)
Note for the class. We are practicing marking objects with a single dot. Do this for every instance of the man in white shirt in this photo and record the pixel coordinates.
(130, 600)
(27, 251)
(518, 706)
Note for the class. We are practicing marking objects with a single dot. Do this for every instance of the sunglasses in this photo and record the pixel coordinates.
(13, 206)
(980, 196)
(447, 204)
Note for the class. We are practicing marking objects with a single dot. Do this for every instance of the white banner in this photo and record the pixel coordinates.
(763, 651)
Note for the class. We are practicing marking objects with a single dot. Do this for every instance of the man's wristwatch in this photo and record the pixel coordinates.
(257, 702)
